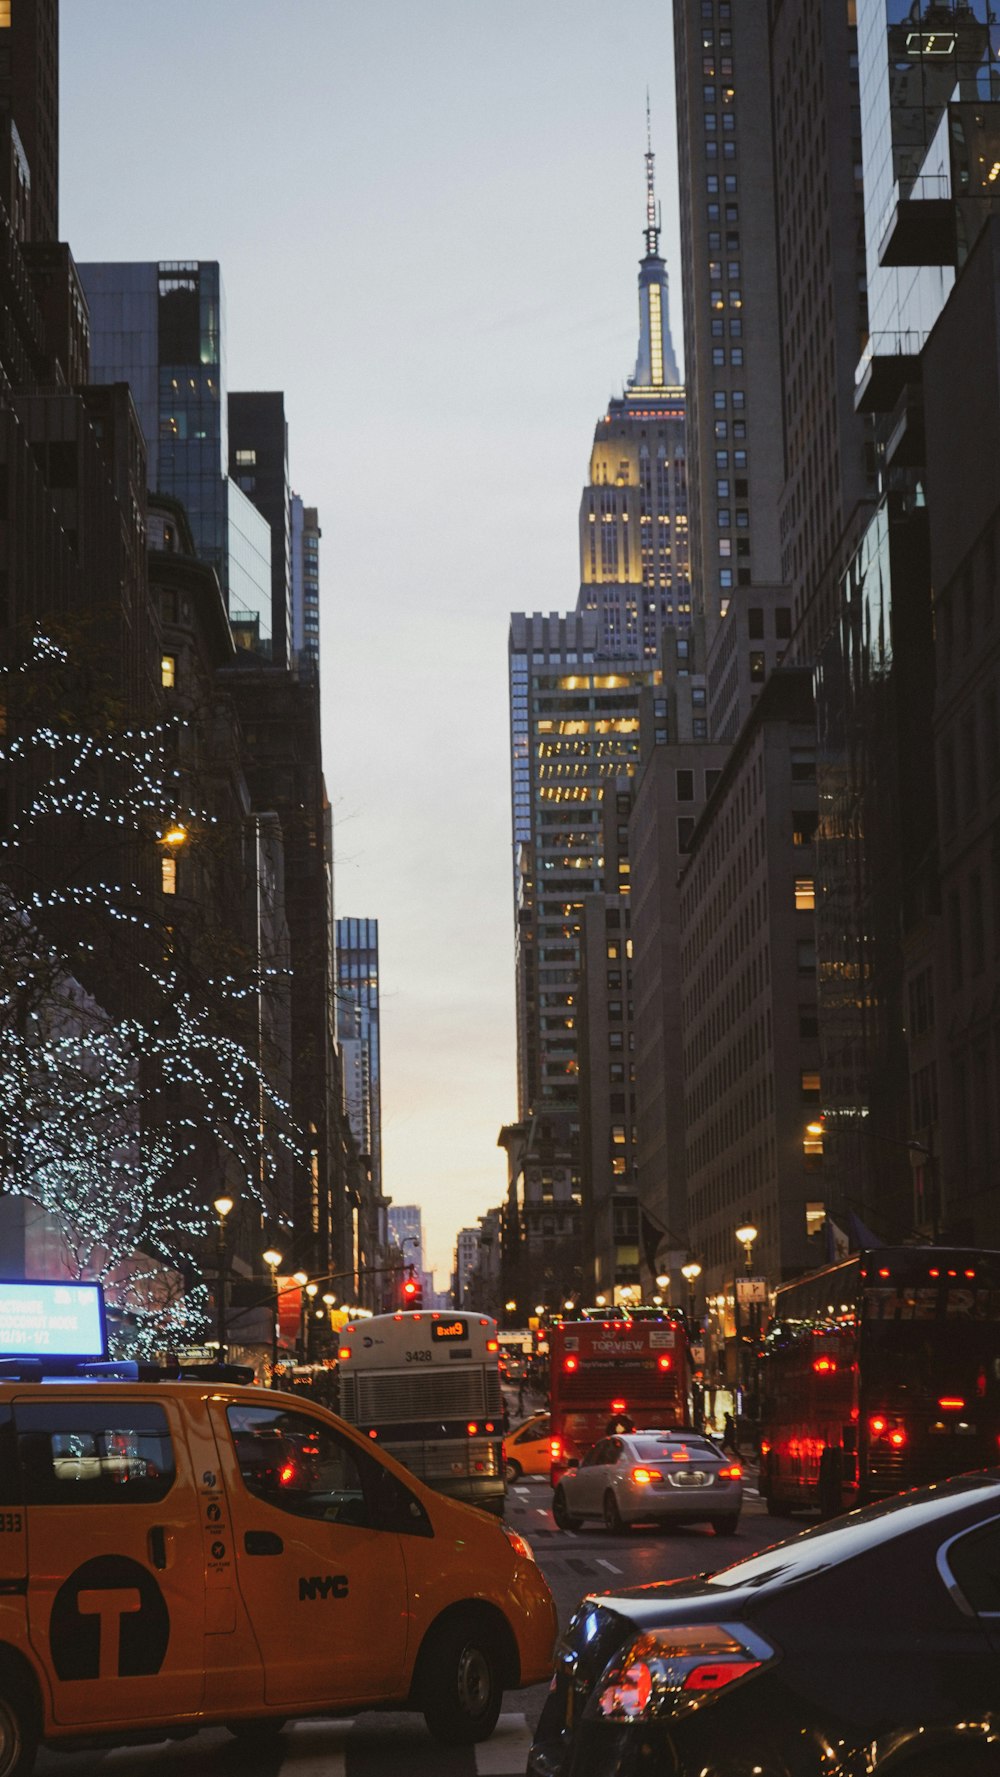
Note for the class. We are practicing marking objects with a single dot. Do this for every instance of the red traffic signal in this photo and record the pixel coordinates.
(413, 1295)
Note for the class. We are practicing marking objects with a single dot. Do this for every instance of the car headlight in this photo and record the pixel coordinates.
(518, 1544)
(673, 1670)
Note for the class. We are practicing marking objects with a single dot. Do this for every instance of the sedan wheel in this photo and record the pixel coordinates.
(614, 1523)
(561, 1514)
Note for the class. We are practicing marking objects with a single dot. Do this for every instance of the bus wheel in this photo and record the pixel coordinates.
(564, 1519)
(461, 1692)
(614, 1523)
(512, 1469)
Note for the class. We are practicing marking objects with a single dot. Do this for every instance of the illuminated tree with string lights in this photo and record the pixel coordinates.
(122, 1112)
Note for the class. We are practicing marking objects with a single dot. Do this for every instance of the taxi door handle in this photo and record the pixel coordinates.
(158, 1546)
(263, 1542)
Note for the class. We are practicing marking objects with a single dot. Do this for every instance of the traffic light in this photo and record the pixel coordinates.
(413, 1295)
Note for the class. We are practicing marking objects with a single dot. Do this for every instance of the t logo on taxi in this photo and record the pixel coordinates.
(109, 1620)
(332, 1585)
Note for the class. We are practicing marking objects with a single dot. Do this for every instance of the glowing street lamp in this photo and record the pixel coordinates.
(691, 1272)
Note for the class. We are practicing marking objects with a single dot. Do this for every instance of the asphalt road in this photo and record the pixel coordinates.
(385, 1745)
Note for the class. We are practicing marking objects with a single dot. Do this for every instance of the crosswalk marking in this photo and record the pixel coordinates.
(608, 1564)
(318, 1749)
(506, 1752)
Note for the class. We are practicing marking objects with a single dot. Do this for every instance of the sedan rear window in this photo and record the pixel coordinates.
(650, 1449)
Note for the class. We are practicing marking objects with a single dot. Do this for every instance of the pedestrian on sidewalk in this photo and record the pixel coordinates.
(730, 1440)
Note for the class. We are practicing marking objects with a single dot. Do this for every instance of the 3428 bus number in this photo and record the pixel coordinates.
(418, 1357)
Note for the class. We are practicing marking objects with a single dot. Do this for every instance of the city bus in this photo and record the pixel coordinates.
(636, 1370)
(879, 1373)
(426, 1387)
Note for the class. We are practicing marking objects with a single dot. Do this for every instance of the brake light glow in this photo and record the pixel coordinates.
(883, 1272)
(569, 1363)
(933, 1271)
(970, 1274)
(492, 1344)
(373, 1433)
(877, 1425)
(951, 1400)
(287, 1474)
(824, 1365)
(489, 1426)
(645, 1475)
(897, 1438)
(618, 1406)
(713, 1678)
(344, 1353)
(472, 1428)
(555, 1448)
(666, 1362)
(733, 1473)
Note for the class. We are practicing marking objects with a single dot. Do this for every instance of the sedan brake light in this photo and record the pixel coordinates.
(733, 1473)
(671, 1671)
(644, 1475)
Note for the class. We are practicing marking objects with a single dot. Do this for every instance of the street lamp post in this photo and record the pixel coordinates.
(301, 1278)
(272, 1259)
(222, 1207)
(311, 1291)
(746, 1234)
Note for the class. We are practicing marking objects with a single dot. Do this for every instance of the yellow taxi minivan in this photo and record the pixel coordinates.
(179, 1553)
(527, 1449)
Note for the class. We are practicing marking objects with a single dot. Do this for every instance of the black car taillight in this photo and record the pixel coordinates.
(670, 1671)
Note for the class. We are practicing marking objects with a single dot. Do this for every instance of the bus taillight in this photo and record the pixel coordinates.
(951, 1400)
(877, 1425)
(897, 1438)
(824, 1365)
(555, 1448)
(666, 1362)
(344, 1353)
(618, 1406)
(472, 1428)
(569, 1363)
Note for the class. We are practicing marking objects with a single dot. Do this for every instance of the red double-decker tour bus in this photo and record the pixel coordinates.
(879, 1373)
(600, 1370)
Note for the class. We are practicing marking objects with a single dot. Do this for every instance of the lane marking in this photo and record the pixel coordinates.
(319, 1749)
(543, 1511)
(506, 1751)
(609, 1565)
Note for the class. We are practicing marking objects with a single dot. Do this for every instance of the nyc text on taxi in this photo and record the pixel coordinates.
(182, 1552)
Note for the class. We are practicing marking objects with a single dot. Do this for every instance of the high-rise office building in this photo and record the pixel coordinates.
(305, 536)
(634, 573)
(406, 1231)
(258, 463)
(357, 985)
(574, 729)
(730, 293)
(29, 95)
(161, 328)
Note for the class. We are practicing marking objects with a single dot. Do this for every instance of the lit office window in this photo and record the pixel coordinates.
(168, 875)
(805, 894)
(168, 671)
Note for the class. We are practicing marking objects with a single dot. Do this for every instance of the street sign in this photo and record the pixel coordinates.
(751, 1289)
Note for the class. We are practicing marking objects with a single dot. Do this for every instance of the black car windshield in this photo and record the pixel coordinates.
(655, 1449)
(828, 1545)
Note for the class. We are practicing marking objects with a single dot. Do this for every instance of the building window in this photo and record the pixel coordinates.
(168, 875)
(685, 829)
(805, 894)
(755, 623)
(168, 671)
(246, 459)
(685, 786)
(803, 766)
(805, 956)
(758, 666)
(810, 1083)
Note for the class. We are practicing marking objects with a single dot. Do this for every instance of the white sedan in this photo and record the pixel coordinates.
(670, 1477)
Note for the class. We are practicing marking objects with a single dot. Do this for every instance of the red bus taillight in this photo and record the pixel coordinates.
(824, 1366)
(569, 1363)
(877, 1425)
(951, 1400)
(618, 1406)
(666, 1362)
(897, 1438)
(555, 1448)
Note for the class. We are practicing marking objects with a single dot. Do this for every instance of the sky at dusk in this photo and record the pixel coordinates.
(429, 216)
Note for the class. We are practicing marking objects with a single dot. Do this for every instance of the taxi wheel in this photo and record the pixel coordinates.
(512, 1469)
(462, 1690)
(614, 1523)
(563, 1517)
(18, 1732)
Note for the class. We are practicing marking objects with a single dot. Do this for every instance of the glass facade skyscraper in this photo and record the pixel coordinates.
(160, 327)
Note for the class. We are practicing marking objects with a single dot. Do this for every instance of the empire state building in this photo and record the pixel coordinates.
(634, 567)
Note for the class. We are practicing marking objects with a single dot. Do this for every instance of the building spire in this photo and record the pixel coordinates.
(656, 366)
(652, 207)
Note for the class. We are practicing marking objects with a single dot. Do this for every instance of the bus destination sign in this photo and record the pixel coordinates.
(450, 1329)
